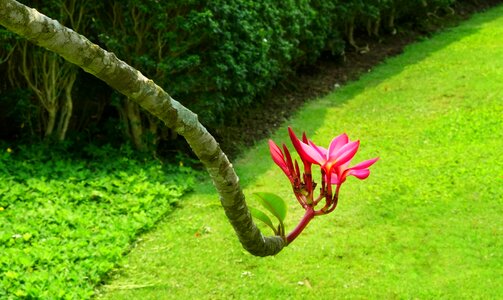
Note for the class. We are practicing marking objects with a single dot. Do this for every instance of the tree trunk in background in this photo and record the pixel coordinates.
(66, 108)
(153, 129)
(133, 117)
(38, 70)
(51, 121)
(77, 49)
(50, 77)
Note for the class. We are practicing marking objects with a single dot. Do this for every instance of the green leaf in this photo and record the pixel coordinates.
(258, 214)
(273, 203)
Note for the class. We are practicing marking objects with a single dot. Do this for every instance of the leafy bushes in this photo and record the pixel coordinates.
(67, 221)
(216, 57)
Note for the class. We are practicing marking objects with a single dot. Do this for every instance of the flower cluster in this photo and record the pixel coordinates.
(334, 166)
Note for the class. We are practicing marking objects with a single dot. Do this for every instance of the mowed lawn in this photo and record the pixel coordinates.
(426, 224)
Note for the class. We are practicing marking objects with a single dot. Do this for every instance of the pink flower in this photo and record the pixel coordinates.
(340, 151)
(334, 164)
(359, 171)
(278, 157)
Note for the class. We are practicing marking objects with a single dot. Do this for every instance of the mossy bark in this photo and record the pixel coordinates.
(75, 48)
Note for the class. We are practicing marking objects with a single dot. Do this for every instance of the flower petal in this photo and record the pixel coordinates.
(277, 157)
(345, 153)
(334, 179)
(322, 151)
(360, 174)
(295, 141)
(365, 164)
(337, 143)
(312, 154)
(288, 158)
(305, 151)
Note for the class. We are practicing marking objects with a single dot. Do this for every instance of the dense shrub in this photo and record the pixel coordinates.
(216, 57)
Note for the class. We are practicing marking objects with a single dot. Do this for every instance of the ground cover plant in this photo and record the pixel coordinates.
(67, 219)
(426, 223)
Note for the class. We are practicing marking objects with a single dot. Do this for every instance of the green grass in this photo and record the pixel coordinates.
(66, 221)
(426, 224)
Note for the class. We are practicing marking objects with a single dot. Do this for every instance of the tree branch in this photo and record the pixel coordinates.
(77, 49)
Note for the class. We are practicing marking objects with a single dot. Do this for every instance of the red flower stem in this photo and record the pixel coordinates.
(335, 200)
(301, 201)
(308, 177)
(324, 186)
(329, 189)
(318, 199)
(309, 186)
(308, 216)
(327, 194)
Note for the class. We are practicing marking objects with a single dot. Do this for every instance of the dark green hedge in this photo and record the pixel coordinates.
(217, 57)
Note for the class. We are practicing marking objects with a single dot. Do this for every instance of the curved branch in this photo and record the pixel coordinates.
(77, 49)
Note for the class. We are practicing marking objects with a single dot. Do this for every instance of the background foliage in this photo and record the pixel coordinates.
(216, 57)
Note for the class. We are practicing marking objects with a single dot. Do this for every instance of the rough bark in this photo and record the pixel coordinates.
(77, 49)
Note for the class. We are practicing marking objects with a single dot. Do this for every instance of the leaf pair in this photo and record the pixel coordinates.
(276, 206)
